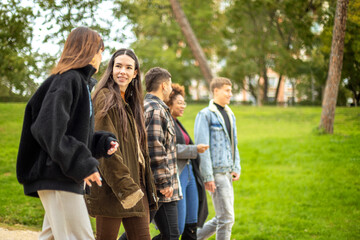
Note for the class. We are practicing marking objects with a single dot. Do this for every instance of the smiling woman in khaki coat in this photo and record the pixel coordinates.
(128, 187)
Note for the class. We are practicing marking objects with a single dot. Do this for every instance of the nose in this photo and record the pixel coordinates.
(122, 70)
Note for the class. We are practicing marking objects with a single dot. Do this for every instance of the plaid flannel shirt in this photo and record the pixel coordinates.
(162, 146)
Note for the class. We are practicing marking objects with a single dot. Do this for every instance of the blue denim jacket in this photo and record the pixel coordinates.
(223, 154)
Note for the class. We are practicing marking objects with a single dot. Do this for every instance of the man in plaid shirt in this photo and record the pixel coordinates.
(162, 150)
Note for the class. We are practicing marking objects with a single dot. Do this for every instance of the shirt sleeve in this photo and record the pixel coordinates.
(184, 151)
(155, 125)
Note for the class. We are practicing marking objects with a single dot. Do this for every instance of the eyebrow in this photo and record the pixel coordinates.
(117, 63)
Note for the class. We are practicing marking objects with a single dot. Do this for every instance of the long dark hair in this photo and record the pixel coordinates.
(133, 96)
(80, 47)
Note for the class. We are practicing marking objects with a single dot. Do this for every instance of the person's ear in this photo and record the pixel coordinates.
(215, 91)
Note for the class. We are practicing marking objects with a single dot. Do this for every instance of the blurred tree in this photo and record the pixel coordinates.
(351, 63)
(61, 16)
(268, 34)
(335, 66)
(17, 63)
(249, 44)
(191, 40)
(160, 41)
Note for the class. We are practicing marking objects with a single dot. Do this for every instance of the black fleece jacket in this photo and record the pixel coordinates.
(58, 146)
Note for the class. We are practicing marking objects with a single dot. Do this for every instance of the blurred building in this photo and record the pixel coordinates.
(287, 90)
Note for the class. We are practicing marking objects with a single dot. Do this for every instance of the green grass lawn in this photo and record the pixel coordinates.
(295, 182)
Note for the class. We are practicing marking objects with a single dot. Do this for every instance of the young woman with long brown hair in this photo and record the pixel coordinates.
(128, 187)
(58, 146)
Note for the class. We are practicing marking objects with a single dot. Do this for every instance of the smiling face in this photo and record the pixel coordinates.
(124, 71)
(178, 106)
(222, 95)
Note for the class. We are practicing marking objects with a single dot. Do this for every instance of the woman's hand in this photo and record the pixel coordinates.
(114, 147)
(95, 177)
(202, 148)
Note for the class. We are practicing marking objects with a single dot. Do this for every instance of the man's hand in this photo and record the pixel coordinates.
(167, 192)
(95, 177)
(114, 146)
(235, 176)
(210, 186)
(202, 148)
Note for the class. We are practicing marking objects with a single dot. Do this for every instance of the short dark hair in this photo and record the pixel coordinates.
(154, 77)
(218, 82)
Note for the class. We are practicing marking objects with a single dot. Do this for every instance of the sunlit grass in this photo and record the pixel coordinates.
(295, 183)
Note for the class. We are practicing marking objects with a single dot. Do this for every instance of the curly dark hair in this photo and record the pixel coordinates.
(177, 89)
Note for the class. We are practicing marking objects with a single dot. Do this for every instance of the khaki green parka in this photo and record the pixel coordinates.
(120, 173)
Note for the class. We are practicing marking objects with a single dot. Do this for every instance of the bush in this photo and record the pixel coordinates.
(14, 98)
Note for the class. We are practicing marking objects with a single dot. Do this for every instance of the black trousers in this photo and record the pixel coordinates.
(166, 219)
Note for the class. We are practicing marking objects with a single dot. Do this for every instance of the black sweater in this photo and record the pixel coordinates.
(57, 146)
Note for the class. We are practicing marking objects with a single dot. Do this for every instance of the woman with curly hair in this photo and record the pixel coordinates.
(192, 209)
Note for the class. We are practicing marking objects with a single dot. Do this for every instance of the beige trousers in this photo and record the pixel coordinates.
(66, 216)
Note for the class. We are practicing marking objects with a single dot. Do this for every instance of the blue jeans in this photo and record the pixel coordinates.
(223, 201)
(189, 205)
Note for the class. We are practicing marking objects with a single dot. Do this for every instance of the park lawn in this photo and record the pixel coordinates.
(295, 183)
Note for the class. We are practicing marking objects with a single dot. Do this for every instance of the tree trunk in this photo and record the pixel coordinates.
(252, 89)
(278, 88)
(191, 40)
(260, 91)
(266, 81)
(335, 66)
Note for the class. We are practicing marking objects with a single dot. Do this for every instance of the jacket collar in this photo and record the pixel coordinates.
(213, 107)
(179, 135)
(87, 72)
(155, 98)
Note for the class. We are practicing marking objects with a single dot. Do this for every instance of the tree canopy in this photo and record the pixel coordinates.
(241, 40)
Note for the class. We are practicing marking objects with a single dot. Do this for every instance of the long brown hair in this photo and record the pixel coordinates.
(133, 96)
(80, 47)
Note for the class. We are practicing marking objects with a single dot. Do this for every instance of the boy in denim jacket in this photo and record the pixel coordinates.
(220, 165)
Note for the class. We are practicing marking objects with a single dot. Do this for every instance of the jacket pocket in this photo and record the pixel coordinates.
(217, 145)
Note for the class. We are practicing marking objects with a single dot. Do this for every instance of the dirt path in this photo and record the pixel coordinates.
(6, 234)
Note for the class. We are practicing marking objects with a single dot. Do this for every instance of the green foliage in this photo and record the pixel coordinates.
(319, 57)
(159, 38)
(295, 183)
(17, 63)
(62, 16)
(351, 65)
(268, 34)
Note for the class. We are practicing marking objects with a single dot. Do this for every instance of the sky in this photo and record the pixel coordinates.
(40, 31)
